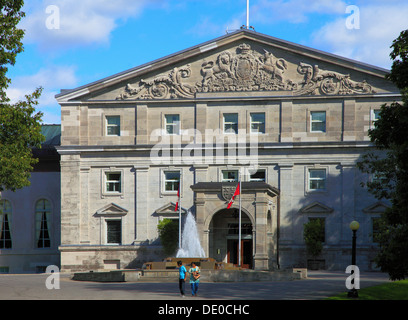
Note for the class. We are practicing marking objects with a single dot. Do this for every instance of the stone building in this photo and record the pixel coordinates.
(289, 121)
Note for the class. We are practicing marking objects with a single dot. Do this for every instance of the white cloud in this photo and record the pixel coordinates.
(380, 24)
(293, 11)
(51, 79)
(85, 22)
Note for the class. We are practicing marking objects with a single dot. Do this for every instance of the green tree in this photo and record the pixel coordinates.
(388, 162)
(168, 233)
(20, 124)
(313, 234)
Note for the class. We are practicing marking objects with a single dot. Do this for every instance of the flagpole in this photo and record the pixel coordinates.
(179, 199)
(247, 22)
(239, 222)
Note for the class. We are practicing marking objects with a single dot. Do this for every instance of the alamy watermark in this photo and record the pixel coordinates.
(353, 280)
(353, 20)
(53, 19)
(53, 280)
(193, 147)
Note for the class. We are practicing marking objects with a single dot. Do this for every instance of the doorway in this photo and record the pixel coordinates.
(224, 238)
(246, 252)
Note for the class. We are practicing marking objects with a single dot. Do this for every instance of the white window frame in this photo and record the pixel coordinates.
(318, 121)
(309, 179)
(259, 123)
(107, 125)
(236, 171)
(104, 182)
(224, 123)
(257, 179)
(165, 180)
(115, 182)
(374, 115)
(175, 125)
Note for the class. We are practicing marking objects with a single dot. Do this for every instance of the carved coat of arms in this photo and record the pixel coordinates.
(227, 192)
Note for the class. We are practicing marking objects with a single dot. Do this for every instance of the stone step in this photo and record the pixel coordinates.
(172, 275)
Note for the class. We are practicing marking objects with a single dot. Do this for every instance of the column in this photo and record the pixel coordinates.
(141, 125)
(141, 203)
(199, 202)
(349, 120)
(286, 230)
(286, 123)
(347, 200)
(261, 247)
(84, 220)
(70, 199)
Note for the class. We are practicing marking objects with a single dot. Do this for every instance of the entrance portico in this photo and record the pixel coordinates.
(217, 225)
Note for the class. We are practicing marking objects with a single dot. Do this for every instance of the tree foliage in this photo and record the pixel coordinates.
(20, 124)
(313, 234)
(168, 233)
(389, 164)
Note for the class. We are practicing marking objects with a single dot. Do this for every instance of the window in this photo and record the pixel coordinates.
(172, 123)
(258, 176)
(114, 231)
(4, 269)
(5, 224)
(229, 175)
(171, 180)
(317, 121)
(379, 177)
(317, 179)
(43, 223)
(113, 182)
(231, 123)
(257, 122)
(375, 115)
(113, 125)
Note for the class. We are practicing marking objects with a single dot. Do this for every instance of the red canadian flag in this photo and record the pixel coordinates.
(178, 199)
(233, 197)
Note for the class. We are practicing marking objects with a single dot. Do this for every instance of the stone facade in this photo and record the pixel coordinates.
(304, 115)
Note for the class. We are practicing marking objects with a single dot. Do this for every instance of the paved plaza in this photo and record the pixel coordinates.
(319, 285)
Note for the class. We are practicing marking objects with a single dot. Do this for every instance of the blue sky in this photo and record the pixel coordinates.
(70, 43)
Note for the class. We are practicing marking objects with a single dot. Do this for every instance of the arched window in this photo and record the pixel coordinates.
(5, 224)
(43, 223)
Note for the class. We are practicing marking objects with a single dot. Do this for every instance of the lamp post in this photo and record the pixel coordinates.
(354, 225)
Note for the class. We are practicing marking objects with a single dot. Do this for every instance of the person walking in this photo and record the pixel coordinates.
(194, 278)
(182, 277)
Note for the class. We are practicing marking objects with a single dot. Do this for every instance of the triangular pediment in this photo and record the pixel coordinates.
(111, 209)
(169, 209)
(316, 207)
(243, 62)
(377, 207)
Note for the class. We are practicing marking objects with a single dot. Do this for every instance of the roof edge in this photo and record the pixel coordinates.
(211, 44)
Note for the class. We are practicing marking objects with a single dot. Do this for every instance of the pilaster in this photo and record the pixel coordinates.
(141, 203)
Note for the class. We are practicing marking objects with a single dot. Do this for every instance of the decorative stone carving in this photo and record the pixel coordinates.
(161, 87)
(227, 192)
(328, 82)
(247, 70)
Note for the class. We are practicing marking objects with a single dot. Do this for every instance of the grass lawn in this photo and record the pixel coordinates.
(397, 290)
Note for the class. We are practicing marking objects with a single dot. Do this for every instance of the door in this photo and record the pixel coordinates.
(246, 252)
